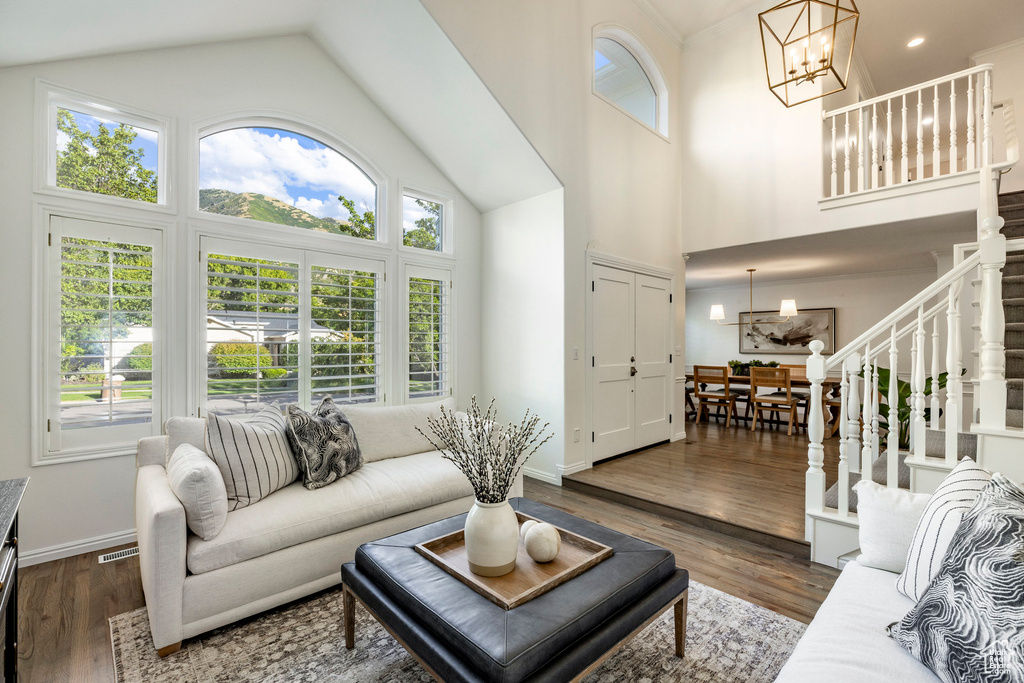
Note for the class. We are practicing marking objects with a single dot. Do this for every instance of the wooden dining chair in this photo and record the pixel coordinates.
(779, 400)
(707, 376)
(800, 372)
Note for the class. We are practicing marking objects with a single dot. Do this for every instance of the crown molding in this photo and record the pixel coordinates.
(818, 278)
(975, 58)
(660, 21)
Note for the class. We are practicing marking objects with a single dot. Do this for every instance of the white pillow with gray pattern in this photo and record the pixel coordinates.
(324, 443)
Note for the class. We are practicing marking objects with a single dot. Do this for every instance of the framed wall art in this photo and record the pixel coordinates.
(758, 334)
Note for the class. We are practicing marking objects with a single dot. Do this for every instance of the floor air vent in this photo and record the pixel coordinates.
(119, 555)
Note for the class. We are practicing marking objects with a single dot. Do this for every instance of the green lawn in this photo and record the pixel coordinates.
(92, 392)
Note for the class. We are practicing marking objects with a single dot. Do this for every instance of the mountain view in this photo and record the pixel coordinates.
(267, 209)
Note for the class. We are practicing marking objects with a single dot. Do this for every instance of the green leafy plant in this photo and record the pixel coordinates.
(904, 405)
(238, 360)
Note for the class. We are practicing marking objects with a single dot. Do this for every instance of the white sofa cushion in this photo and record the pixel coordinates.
(198, 484)
(847, 641)
(179, 430)
(390, 432)
(887, 518)
(948, 505)
(295, 515)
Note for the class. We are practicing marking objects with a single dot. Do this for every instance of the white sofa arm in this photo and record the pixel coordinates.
(152, 451)
(160, 523)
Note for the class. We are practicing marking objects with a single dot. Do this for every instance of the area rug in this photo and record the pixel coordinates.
(728, 639)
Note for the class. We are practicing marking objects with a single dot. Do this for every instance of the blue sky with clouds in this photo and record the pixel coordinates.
(145, 139)
(284, 165)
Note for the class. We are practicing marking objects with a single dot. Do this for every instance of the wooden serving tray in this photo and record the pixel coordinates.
(529, 579)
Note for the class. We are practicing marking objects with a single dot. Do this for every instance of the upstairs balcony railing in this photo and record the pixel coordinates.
(939, 128)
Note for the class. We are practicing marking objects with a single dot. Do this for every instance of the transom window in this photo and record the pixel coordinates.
(422, 223)
(279, 176)
(100, 150)
(627, 76)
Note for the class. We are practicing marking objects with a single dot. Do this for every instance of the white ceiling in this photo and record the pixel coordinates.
(883, 248)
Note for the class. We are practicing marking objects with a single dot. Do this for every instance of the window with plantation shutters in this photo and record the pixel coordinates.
(345, 335)
(252, 332)
(102, 367)
(428, 329)
(289, 326)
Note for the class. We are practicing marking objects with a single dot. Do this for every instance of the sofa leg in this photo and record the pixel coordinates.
(169, 650)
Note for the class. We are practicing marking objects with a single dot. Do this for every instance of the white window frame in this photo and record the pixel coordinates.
(444, 273)
(447, 202)
(242, 226)
(51, 97)
(305, 258)
(646, 60)
(49, 445)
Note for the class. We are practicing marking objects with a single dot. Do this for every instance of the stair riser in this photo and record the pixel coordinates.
(1014, 339)
(1013, 312)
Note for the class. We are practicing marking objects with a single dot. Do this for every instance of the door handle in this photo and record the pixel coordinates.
(632, 371)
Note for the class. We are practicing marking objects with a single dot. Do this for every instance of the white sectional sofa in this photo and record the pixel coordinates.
(293, 542)
(847, 641)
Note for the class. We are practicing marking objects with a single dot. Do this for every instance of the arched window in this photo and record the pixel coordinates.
(626, 75)
(280, 176)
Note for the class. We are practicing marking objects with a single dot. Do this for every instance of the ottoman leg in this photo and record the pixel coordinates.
(350, 617)
(680, 609)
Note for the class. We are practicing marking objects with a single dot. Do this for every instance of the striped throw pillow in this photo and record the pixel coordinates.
(253, 456)
(948, 505)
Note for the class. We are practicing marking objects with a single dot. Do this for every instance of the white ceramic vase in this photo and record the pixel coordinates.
(492, 538)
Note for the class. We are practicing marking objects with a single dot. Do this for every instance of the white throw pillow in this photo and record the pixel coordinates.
(888, 517)
(196, 481)
(952, 499)
(253, 456)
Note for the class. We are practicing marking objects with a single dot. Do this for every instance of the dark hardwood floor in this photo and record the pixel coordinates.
(750, 480)
(65, 604)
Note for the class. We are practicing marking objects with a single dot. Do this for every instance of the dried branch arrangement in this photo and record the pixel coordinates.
(489, 454)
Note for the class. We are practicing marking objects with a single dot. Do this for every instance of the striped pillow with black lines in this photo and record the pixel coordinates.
(253, 456)
(947, 507)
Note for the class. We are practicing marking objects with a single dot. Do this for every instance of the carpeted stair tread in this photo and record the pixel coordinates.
(1015, 418)
(1015, 393)
(1013, 310)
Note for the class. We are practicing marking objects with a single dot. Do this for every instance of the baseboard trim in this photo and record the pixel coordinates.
(88, 545)
(542, 475)
(566, 470)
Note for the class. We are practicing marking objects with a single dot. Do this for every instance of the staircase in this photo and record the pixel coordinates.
(1011, 209)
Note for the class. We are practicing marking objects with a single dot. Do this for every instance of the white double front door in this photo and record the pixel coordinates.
(632, 372)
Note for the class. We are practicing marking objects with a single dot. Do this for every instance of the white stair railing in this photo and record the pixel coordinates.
(928, 116)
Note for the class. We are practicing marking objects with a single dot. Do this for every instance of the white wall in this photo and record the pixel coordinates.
(522, 320)
(68, 504)
(860, 302)
(621, 179)
(1007, 84)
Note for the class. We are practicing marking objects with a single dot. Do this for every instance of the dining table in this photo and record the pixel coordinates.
(828, 386)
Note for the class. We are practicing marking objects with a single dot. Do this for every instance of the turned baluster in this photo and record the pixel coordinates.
(844, 465)
(850, 415)
(917, 434)
(969, 155)
(904, 149)
(992, 354)
(875, 410)
(860, 150)
(815, 478)
(835, 180)
(865, 441)
(920, 135)
(888, 145)
(953, 165)
(847, 184)
(954, 417)
(892, 444)
(936, 125)
(934, 410)
(874, 146)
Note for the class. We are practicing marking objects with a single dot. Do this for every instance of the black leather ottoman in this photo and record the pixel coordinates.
(459, 635)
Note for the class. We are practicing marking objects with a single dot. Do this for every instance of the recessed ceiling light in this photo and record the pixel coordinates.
(915, 42)
(927, 121)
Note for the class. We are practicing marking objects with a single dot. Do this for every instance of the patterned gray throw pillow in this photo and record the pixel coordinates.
(969, 624)
(324, 443)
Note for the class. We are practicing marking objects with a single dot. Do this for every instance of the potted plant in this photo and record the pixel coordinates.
(904, 406)
(491, 456)
(738, 368)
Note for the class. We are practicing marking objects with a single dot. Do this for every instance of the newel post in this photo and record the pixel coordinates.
(992, 389)
(816, 431)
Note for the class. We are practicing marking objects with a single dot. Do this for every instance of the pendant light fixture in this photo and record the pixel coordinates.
(787, 309)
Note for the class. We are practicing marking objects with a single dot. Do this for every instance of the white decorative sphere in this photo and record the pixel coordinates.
(526, 527)
(543, 542)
